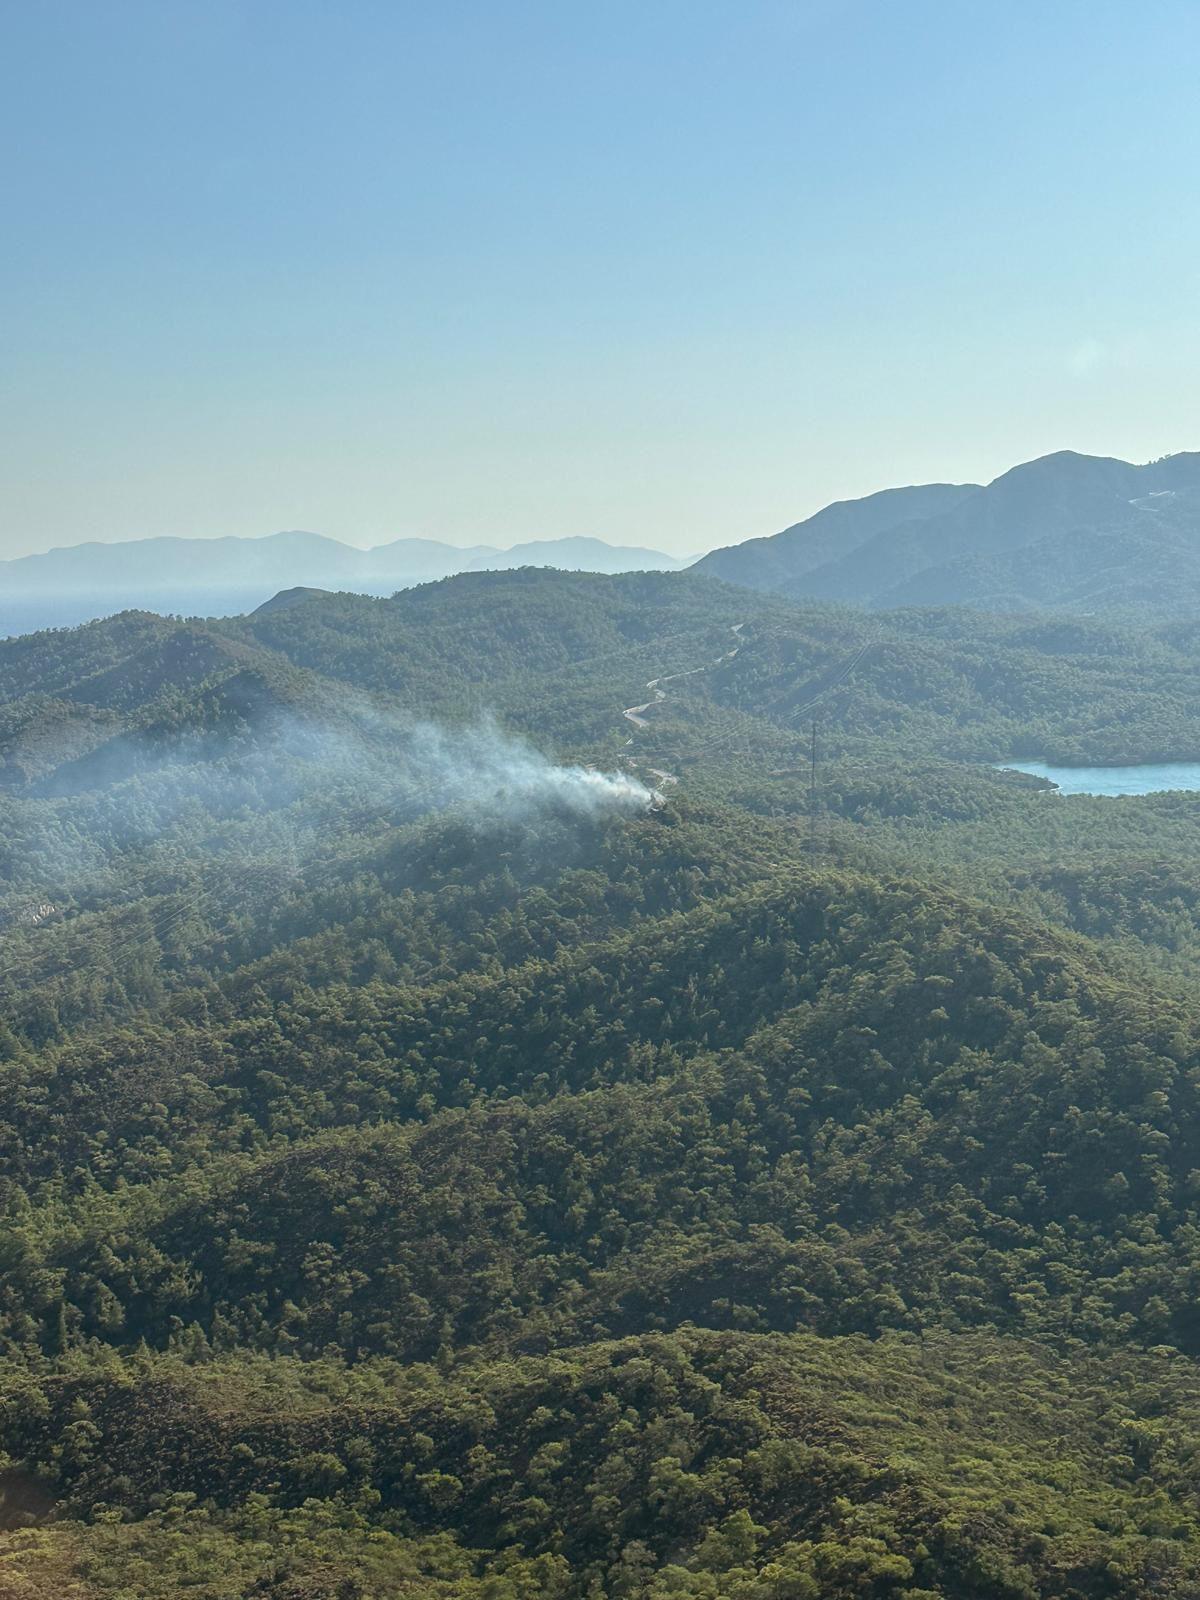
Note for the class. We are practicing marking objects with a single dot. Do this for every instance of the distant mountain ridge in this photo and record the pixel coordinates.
(1065, 531)
(231, 575)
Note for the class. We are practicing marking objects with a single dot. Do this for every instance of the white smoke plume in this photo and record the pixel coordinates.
(299, 788)
(483, 769)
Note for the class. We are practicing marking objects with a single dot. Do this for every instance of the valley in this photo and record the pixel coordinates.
(599, 801)
(421, 1179)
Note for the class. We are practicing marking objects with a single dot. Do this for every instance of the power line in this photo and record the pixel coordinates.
(812, 796)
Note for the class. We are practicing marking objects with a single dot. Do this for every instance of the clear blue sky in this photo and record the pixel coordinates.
(671, 272)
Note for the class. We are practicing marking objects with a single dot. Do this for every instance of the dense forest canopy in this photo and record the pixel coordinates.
(553, 1085)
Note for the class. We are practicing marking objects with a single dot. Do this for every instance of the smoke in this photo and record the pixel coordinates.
(285, 793)
(211, 849)
(403, 768)
(484, 770)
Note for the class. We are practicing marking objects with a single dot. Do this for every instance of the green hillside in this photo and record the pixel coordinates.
(427, 1175)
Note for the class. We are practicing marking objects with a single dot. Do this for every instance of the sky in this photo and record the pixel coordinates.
(667, 272)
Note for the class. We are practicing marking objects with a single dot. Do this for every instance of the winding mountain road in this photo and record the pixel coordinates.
(637, 714)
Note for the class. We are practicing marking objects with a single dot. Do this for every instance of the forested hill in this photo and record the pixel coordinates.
(1066, 531)
(562, 655)
(482, 1123)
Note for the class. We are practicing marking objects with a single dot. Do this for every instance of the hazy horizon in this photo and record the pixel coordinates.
(672, 276)
(351, 541)
(483, 541)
